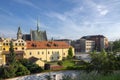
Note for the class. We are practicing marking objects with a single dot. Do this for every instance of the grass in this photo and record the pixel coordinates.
(115, 76)
(67, 63)
(94, 76)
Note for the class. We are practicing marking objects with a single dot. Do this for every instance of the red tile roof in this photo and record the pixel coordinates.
(46, 44)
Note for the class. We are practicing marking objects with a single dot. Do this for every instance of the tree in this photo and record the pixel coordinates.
(12, 55)
(116, 46)
(102, 62)
(22, 70)
(32, 67)
(70, 53)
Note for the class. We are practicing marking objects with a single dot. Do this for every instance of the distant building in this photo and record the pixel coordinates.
(76, 45)
(35, 35)
(65, 40)
(101, 42)
(1, 58)
(26, 37)
(87, 45)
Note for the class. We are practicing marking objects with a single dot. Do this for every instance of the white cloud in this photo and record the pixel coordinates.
(26, 2)
(6, 12)
(102, 10)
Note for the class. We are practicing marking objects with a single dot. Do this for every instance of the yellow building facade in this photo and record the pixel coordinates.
(46, 51)
(38, 52)
(1, 56)
(19, 46)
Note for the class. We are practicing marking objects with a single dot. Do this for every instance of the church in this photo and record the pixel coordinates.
(35, 35)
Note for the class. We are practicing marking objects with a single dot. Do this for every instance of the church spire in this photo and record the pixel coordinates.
(37, 25)
(19, 30)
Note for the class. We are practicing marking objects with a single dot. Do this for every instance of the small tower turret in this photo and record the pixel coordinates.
(19, 33)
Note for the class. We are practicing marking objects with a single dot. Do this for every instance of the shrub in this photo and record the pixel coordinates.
(22, 70)
(60, 63)
(32, 67)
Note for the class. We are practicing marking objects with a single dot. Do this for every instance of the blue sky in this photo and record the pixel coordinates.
(70, 19)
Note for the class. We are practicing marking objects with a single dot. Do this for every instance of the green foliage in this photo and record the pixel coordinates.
(116, 46)
(12, 56)
(67, 63)
(33, 68)
(22, 70)
(67, 77)
(60, 63)
(7, 72)
(102, 62)
(70, 53)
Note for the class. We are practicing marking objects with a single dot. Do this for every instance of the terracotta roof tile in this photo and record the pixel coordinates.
(46, 44)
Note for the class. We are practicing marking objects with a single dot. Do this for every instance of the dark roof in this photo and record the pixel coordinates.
(38, 35)
(92, 36)
(62, 40)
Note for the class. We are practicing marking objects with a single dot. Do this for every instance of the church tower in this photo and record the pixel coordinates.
(19, 33)
(37, 26)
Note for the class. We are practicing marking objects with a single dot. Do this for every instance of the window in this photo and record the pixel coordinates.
(15, 48)
(23, 48)
(52, 52)
(38, 52)
(4, 44)
(51, 57)
(15, 44)
(42, 52)
(19, 44)
(22, 44)
(58, 57)
(3, 48)
(30, 53)
(48, 52)
(7, 44)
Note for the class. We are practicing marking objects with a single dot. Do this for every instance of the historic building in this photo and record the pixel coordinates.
(35, 35)
(19, 46)
(46, 51)
(38, 52)
(35, 47)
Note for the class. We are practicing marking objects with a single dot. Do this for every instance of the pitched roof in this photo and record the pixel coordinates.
(46, 44)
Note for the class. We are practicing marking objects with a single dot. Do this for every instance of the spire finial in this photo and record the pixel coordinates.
(37, 25)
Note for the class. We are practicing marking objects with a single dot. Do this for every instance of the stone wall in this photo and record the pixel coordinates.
(54, 75)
